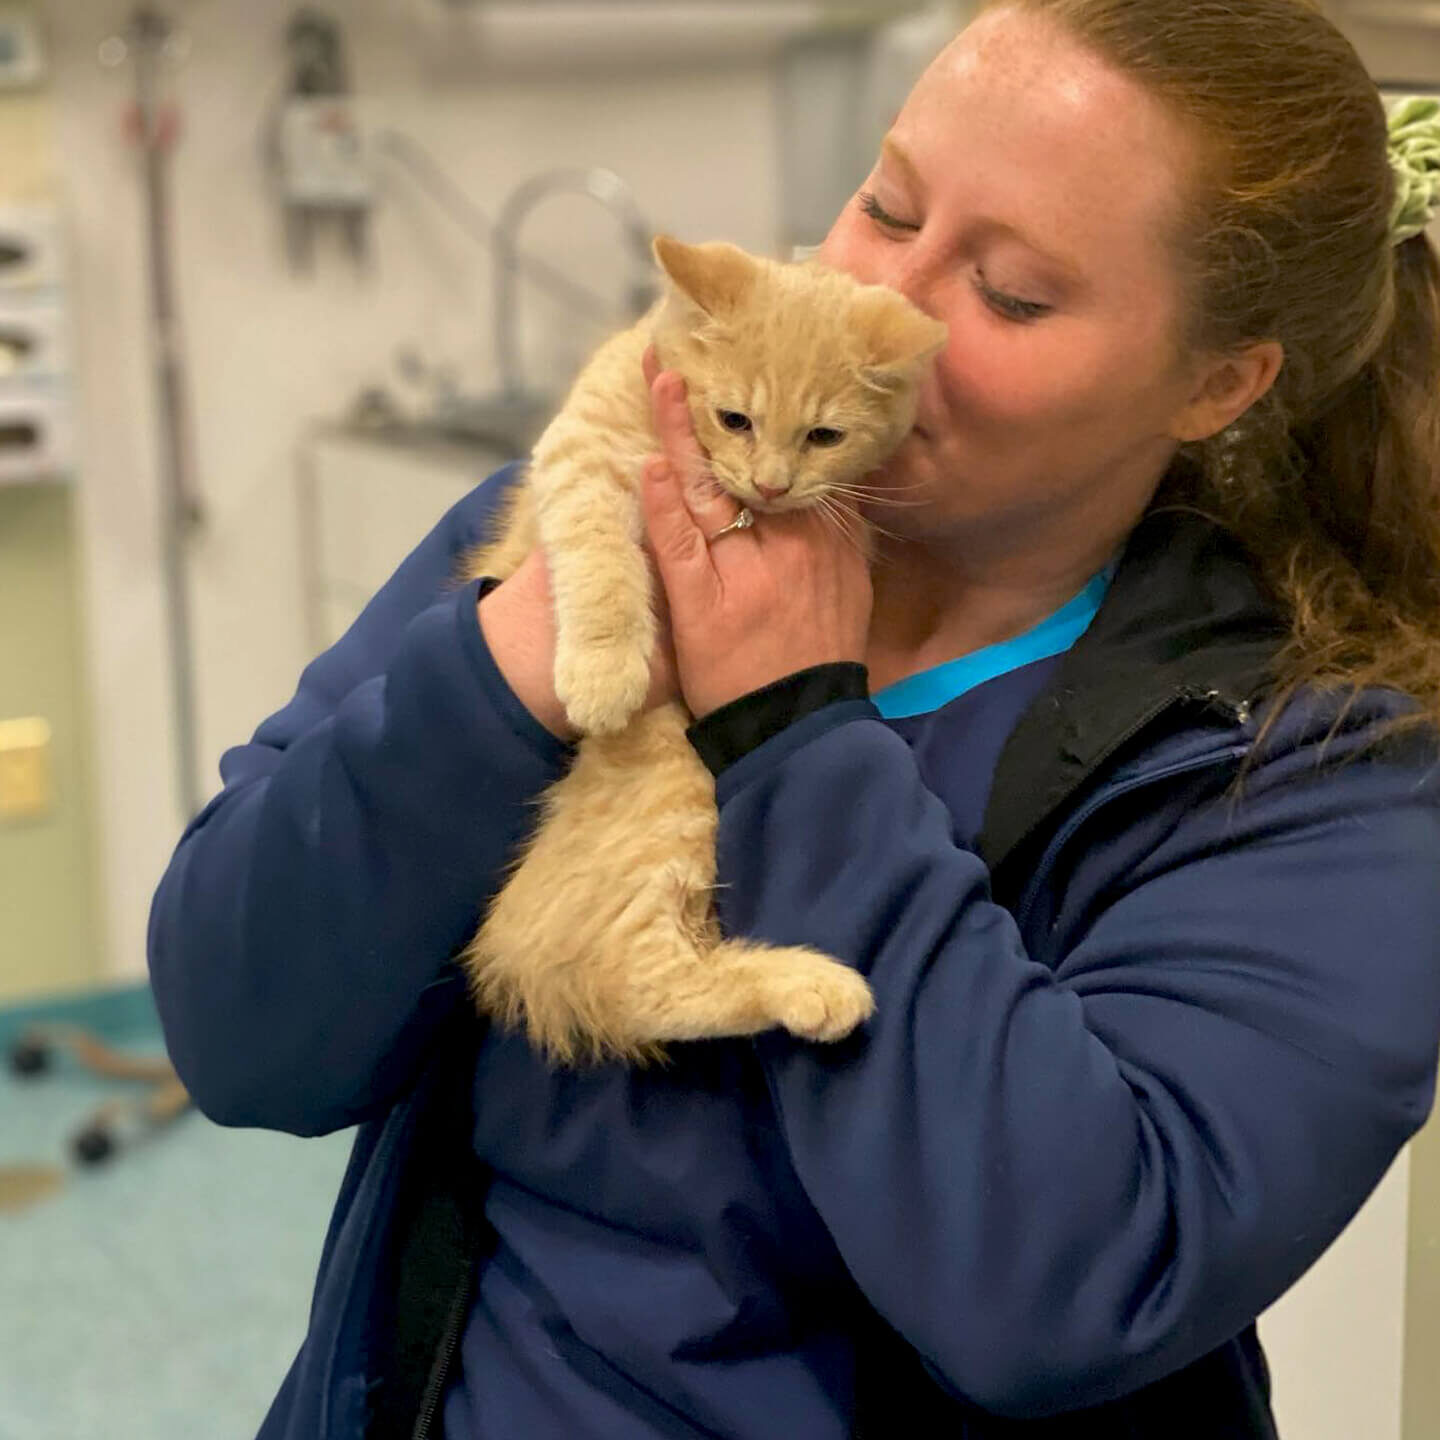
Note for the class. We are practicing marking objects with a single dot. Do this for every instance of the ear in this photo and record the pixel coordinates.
(896, 337)
(716, 277)
(1226, 387)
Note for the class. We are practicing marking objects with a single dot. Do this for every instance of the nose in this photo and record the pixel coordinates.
(914, 278)
(771, 474)
(912, 268)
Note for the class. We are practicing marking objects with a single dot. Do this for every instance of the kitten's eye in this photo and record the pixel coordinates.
(733, 420)
(824, 436)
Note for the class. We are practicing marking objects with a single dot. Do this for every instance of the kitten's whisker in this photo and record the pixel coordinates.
(839, 507)
(846, 519)
(873, 487)
(860, 485)
(873, 497)
(850, 525)
(834, 508)
(877, 556)
(910, 485)
(908, 495)
(835, 513)
(884, 484)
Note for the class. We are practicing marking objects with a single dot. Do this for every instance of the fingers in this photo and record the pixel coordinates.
(671, 415)
(676, 541)
(709, 505)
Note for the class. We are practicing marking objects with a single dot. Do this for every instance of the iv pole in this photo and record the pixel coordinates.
(148, 41)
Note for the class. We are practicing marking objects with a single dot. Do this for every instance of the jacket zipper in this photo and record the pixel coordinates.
(445, 1357)
(1104, 797)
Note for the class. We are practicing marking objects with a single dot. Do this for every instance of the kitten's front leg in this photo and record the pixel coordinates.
(605, 628)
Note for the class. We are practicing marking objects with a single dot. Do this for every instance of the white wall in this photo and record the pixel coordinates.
(1336, 1341)
(268, 352)
(1395, 50)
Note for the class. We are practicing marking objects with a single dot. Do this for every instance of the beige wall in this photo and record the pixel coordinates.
(1336, 1340)
(49, 935)
(1422, 1295)
(49, 938)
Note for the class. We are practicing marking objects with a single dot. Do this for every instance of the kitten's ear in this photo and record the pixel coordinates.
(897, 338)
(716, 277)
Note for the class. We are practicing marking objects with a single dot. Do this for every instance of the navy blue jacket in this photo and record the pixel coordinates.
(1139, 1052)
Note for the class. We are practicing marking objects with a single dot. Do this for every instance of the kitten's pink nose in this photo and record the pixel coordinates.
(771, 492)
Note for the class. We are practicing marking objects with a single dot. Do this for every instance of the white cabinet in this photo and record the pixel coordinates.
(366, 499)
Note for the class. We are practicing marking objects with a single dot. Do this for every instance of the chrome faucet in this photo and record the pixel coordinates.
(600, 184)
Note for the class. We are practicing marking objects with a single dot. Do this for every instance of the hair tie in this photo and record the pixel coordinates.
(1414, 125)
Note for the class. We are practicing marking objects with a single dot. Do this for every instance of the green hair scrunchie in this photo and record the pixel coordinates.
(1415, 158)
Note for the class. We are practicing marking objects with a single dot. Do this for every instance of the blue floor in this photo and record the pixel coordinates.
(161, 1295)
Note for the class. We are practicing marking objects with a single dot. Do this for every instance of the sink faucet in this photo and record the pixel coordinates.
(600, 184)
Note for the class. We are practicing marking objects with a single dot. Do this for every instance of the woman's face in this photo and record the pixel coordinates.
(1025, 196)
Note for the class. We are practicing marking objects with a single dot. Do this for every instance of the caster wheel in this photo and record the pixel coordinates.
(93, 1145)
(30, 1056)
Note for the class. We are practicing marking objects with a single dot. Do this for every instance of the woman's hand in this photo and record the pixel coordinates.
(791, 592)
(517, 619)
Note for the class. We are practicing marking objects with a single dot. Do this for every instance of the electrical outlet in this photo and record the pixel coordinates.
(25, 789)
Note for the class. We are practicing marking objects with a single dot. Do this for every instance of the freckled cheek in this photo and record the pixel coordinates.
(1005, 384)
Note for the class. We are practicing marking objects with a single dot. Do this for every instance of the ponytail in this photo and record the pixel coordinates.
(1332, 480)
(1361, 569)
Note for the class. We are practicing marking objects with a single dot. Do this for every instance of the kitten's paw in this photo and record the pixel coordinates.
(602, 686)
(821, 1000)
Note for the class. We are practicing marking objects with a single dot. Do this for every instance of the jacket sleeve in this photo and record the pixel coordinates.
(300, 941)
(1061, 1181)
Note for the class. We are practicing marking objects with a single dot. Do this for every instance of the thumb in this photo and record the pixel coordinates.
(676, 541)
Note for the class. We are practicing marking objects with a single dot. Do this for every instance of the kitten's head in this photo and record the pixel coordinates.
(800, 379)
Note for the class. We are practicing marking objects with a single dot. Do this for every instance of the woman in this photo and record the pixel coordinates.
(1134, 831)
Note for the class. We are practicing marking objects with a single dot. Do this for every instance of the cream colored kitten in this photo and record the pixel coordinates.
(603, 942)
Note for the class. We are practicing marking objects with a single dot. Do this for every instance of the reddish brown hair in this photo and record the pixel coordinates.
(1333, 480)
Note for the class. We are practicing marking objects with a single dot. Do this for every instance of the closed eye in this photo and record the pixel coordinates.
(1010, 306)
(872, 207)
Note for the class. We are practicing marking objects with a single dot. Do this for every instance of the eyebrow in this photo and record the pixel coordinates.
(892, 150)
